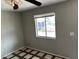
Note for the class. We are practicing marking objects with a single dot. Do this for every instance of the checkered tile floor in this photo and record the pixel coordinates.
(28, 53)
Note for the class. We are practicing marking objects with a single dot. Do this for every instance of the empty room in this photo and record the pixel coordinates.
(39, 29)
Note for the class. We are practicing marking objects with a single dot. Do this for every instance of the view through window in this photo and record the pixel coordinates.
(45, 26)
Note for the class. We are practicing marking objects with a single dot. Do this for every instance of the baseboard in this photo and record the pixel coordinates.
(49, 53)
(38, 50)
(12, 52)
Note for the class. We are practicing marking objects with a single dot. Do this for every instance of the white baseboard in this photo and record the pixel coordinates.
(50, 53)
(38, 50)
(12, 52)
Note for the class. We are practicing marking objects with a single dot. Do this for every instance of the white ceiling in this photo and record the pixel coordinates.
(26, 5)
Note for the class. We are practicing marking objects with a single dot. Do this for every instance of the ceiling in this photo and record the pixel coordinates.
(26, 5)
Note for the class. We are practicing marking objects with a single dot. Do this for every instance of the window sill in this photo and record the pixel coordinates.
(42, 37)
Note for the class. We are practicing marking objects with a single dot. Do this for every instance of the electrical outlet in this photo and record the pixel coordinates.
(71, 33)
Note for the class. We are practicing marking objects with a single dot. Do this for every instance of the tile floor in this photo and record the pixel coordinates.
(28, 53)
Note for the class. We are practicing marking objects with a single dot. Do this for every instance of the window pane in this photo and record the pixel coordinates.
(40, 26)
(50, 26)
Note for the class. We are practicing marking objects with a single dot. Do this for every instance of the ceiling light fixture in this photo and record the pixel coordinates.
(14, 3)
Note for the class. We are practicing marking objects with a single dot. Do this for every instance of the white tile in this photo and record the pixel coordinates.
(28, 56)
(22, 54)
(9, 56)
(48, 57)
(28, 50)
(17, 52)
(57, 58)
(15, 58)
(40, 54)
(34, 52)
(23, 48)
(35, 58)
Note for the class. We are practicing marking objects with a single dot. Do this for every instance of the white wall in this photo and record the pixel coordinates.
(66, 22)
(11, 32)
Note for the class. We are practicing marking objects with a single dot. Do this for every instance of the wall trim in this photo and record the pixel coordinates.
(49, 52)
(12, 52)
(36, 49)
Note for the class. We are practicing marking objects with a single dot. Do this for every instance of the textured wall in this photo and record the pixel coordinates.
(11, 32)
(66, 22)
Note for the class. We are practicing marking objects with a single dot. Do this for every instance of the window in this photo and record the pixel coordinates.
(45, 25)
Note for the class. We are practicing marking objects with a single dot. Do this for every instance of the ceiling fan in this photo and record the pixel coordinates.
(15, 3)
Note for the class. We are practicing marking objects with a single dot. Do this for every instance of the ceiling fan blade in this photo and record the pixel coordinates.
(34, 2)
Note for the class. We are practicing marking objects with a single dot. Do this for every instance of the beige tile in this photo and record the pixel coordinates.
(35, 58)
(22, 54)
(28, 56)
(24, 48)
(15, 57)
(9, 56)
(28, 50)
(40, 54)
(57, 58)
(34, 52)
(17, 52)
(48, 56)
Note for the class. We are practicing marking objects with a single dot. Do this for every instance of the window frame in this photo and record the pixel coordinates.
(41, 16)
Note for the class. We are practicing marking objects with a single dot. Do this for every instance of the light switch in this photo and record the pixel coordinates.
(71, 33)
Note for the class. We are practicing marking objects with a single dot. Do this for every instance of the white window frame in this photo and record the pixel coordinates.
(44, 15)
